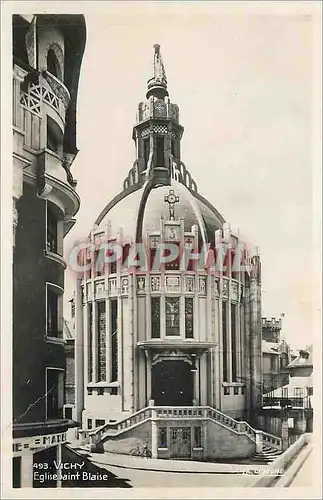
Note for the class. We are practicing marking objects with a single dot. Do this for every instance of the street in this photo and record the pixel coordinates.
(150, 479)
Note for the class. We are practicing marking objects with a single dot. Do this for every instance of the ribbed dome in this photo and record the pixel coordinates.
(191, 208)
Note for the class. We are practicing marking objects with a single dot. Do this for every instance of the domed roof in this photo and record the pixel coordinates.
(157, 169)
(191, 207)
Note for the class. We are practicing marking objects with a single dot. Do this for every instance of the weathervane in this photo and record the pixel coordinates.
(171, 199)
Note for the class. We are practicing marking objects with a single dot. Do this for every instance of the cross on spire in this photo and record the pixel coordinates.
(171, 199)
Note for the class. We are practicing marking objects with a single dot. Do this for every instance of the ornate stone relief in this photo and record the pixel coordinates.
(225, 288)
(234, 291)
(155, 283)
(175, 354)
(112, 286)
(190, 284)
(216, 287)
(173, 284)
(141, 283)
(124, 286)
(160, 109)
(202, 285)
(99, 289)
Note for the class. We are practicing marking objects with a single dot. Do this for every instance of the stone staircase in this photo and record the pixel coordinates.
(189, 413)
(266, 456)
(267, 445)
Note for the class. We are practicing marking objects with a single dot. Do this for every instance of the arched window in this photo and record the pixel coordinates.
(53, 65)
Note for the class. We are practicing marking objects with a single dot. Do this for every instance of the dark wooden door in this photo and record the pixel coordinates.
(180, 442)
(172, 384)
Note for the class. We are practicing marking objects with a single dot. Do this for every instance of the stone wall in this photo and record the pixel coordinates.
(218, 442)
(223, 443)
(137, 436)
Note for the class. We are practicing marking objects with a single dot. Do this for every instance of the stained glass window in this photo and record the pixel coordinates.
(102, 360)
(189, 318)
(114, 340)
(90, 337)
(233, 343)
(224, 342)
(172, 316)
(155, 317)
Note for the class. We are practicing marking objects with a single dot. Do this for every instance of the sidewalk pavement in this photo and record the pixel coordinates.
(160, 465)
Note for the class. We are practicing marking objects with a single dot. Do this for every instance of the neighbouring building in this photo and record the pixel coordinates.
(276, 355)
(288, 410)
(167, 357)
(47, 57)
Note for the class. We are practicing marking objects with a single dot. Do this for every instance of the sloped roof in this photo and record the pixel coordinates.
(304, 358)
(270, 347)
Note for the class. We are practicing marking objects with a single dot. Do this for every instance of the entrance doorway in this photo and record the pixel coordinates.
(172, 383)
(180, 442)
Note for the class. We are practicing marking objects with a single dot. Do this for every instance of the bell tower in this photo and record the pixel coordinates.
(157, 133)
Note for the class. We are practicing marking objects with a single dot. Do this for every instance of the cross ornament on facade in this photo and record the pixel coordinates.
(171, 199)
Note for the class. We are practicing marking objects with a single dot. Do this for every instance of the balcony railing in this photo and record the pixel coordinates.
(280, 402)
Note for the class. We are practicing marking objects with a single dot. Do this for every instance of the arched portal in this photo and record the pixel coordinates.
(172, 383)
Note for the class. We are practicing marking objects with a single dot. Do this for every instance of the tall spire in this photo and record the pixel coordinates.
(157, 85)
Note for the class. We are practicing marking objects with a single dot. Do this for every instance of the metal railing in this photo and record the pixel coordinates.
(282, 402)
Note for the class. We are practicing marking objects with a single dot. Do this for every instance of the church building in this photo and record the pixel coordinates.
(167, 345)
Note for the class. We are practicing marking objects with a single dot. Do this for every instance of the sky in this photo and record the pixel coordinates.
(243, 83)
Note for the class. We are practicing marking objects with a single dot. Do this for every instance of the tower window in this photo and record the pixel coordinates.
(173, 148)
(53, 65)
(159, 143)
(54, 305)
(146, 150)
(51, 230)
